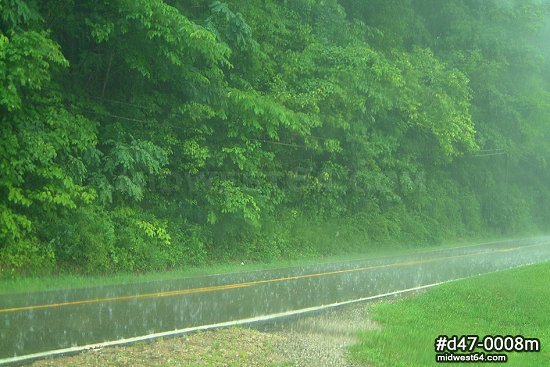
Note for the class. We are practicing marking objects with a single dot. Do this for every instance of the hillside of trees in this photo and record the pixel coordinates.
(140, 135)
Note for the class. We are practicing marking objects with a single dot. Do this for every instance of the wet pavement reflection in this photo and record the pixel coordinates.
(86, 316)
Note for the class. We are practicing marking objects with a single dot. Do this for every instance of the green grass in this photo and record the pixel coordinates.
(68, 281)
(512, 302)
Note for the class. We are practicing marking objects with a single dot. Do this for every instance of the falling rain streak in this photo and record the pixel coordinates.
(113, 313)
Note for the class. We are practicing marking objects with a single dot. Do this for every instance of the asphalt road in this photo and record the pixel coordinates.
(37, 324)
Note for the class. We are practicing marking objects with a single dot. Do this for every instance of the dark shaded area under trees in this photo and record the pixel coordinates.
(142, 135)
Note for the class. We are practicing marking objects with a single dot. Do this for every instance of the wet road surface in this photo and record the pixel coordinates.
(45, 321)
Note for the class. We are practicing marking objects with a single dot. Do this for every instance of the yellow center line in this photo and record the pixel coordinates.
(257, 282)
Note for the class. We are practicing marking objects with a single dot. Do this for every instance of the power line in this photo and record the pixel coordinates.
(487, 154)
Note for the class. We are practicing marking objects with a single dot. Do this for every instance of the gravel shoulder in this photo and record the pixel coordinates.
(316, 340)
(223, 347)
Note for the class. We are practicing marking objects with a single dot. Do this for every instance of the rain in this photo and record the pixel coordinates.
(169, 168)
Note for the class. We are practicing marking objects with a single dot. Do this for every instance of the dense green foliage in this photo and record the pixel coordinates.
(489, 304)
(151, 134)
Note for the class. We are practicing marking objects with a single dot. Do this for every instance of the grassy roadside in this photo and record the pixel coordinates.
(68, 281)
(506, 311)
(512, 302)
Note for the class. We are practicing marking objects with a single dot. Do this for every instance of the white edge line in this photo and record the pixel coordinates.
(250, 320)
(208, 327)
